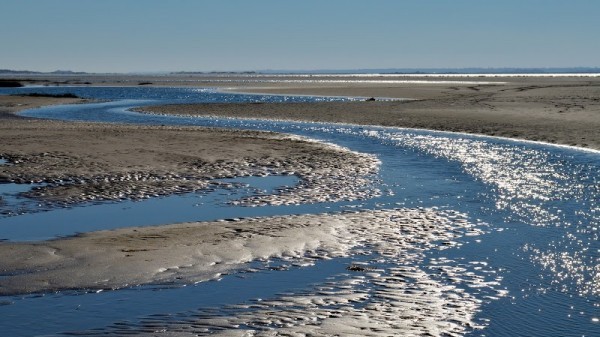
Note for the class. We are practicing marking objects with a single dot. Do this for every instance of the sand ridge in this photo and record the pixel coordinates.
(82, 162)
(200, 251)
(387, 295)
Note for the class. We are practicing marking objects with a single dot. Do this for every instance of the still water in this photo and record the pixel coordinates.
(538, 205)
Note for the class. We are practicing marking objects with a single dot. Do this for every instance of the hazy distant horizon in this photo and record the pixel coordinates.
(399, 71)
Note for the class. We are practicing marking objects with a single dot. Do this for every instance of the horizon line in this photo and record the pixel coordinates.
(399, 71)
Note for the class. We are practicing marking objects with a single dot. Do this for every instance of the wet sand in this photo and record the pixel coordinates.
(10, 105)
(191, 252)
(554, 109)
(406, 299)
(83, 162)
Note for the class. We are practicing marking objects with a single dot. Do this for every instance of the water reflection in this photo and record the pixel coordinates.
(26, 220)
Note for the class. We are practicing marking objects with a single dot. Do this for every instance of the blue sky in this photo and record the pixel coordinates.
(194, 35)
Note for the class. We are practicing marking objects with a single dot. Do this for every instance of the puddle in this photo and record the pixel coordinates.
(10, 201)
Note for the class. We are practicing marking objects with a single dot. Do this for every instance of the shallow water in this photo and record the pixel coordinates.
(540, 206)
(24, 220)
(84, 311)
(162, 94)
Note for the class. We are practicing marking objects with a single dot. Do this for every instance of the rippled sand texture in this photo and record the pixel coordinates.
(388, 294)
(90, 162)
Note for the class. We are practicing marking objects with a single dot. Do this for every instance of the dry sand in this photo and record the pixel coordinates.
(553, 110)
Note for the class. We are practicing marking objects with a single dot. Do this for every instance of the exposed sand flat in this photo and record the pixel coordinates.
(552, 110)
(9, 105)
(83, 161)
(199, 251)
(193, 251)
(403, 298)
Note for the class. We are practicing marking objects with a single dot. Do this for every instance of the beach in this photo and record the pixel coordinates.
(558, 110)
(81, 163)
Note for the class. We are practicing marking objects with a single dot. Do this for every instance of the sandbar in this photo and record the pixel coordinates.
(82, 162)
(405, 298)
(553, 110)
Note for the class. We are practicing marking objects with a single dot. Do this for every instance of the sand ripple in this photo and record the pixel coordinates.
(391, 293)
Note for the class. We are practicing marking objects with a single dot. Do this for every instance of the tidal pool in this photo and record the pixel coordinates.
(27, 220)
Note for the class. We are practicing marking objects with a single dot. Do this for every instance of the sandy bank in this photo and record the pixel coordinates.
(562, 109)
(10, 105)
(553, 110)
(163, 254)
(82, 161)
(398, 298)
